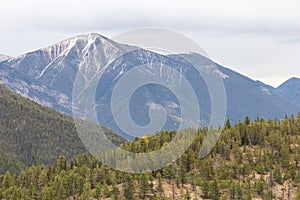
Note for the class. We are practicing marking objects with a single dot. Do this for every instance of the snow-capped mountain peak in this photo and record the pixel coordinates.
(47, 76)
(4, 57)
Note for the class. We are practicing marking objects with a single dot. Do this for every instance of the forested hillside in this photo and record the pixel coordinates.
(252, 160)
(10, 162)
(32, 134)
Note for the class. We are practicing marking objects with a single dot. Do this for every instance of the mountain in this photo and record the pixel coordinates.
(290, 89)
(47, 76)
(33, 134)
(246, 97)
(4, 57)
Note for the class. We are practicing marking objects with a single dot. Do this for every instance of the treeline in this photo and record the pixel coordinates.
(258, 159)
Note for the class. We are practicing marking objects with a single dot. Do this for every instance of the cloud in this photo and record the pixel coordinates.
(231, 16)
(235, 33)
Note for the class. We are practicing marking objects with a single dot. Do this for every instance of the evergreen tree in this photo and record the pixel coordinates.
(215, 190)
(61, 192)
(227, 124)
(98, 193)
(144, 185)
(86, 189)
(277, 176)
(62, 163)
(205, 189)
(129, 187)
(160, 188)
(7, 180)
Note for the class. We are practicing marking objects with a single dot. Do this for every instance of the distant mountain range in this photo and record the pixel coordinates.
(290, 89)
(47, 77)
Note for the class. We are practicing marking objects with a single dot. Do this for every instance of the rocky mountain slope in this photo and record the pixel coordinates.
(47, 76)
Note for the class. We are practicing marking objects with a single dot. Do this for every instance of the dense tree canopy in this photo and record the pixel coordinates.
(258, 159)
(34, 134)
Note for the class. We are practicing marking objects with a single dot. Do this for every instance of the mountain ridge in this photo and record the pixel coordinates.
(47, 76)
(290, 89)
(4, 57)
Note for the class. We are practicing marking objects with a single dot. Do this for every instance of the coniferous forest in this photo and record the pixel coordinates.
(42, 158)
(31, 134)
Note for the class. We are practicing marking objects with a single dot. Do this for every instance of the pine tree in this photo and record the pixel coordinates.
(47, 193)
(232, 190)
(205, 189)
(62, 163)
(144, 185)
(285, 155)
(160, 188)
(260, 186)
(215, 190)
(227, 124)
(115, 190)
(277, 176)
(7, 180)
(42, 179)
(98, 188)
(247, 120)
(129, 187)
(86, 189)
(61, 192)
(182, 175)
(106, 191)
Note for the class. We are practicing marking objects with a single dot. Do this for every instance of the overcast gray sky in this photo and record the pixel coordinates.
(258, 38)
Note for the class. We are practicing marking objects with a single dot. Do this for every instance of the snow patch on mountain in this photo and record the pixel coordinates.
(265, 90)
(211, 69)
(4, 57)
(220, 74)
(154, 106)
(171, 104)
